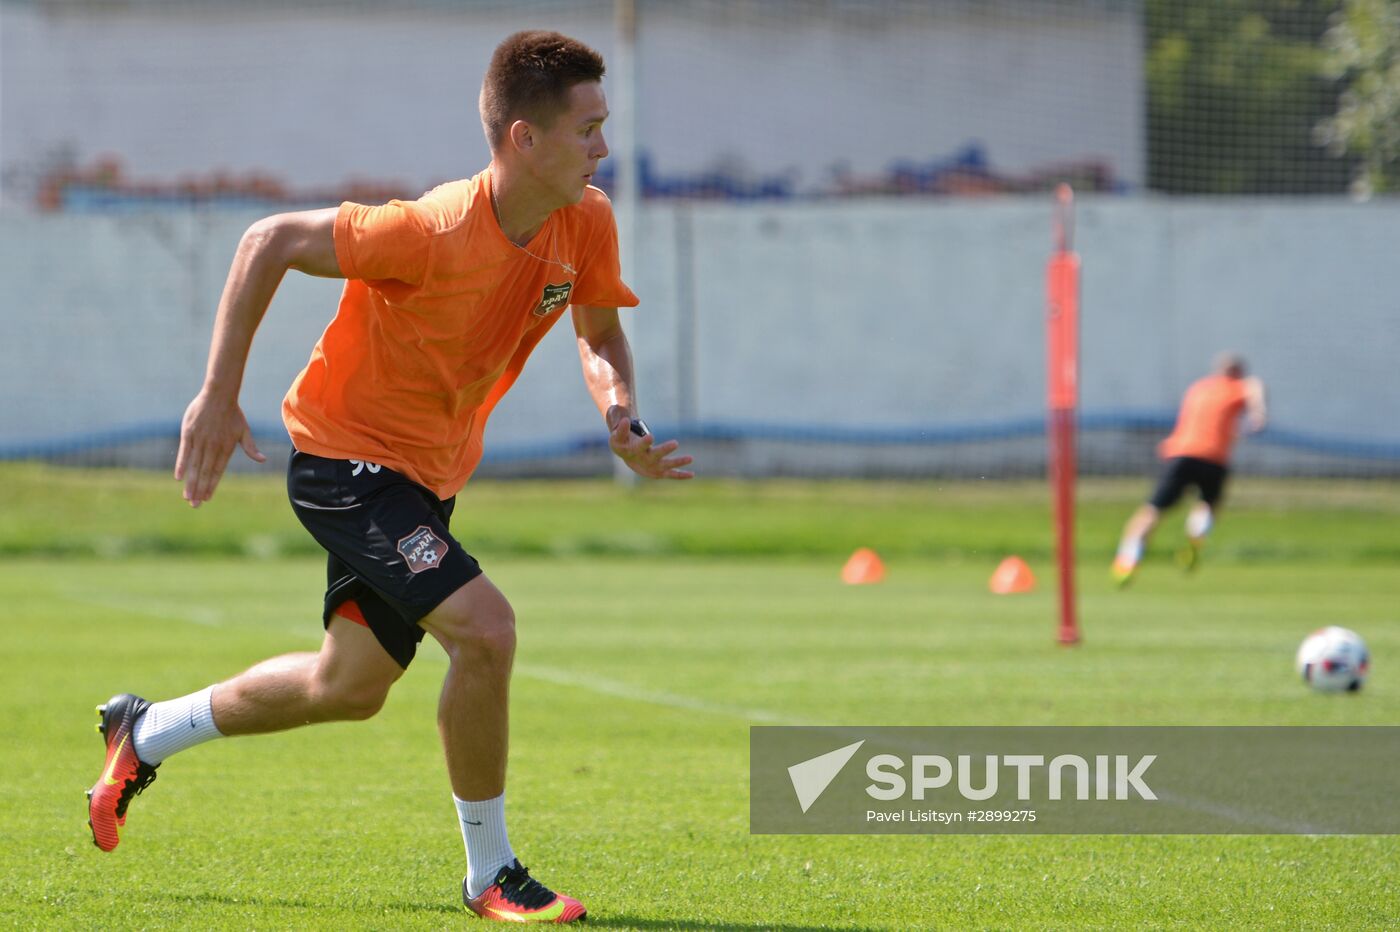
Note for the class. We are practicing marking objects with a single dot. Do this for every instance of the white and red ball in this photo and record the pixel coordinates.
(1334, 660)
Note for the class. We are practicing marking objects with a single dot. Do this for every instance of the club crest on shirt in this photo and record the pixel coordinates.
(423, 550)
(554, 297)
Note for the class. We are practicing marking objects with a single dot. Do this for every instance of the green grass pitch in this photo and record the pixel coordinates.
(655, 627)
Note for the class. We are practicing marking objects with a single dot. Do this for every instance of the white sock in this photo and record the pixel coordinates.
(1130, 551)
(168, 727)
(483, 825)
(1198, 522)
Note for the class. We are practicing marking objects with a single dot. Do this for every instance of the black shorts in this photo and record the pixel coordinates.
(1183, 471)
(390, 550)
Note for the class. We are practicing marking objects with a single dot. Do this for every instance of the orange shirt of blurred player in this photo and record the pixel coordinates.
(1207, 424)
(439, 313)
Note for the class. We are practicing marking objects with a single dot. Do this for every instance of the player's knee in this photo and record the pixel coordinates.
(352, 700)
(360, 704)
(488, 642)
(1147, 516)
(482, 636)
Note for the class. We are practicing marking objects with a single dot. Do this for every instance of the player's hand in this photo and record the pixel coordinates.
(212, 427)
(642, 454)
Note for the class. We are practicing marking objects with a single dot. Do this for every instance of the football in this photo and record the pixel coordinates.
(1333, 660)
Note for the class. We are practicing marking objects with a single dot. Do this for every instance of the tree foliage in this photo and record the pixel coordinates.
(1236, 89)
(1362, 51)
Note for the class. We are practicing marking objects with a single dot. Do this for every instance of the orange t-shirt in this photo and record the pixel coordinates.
(1205, 426)
(439, 313)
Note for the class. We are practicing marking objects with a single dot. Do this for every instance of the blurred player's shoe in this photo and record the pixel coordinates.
(517, 897)
(124, 776)
(1190, 555)
(1122, 571)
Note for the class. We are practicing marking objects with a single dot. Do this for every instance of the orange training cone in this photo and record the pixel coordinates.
(1013, 575)
(864, 566)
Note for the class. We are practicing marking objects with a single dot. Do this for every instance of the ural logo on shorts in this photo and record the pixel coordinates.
(422, 549)
(554, 297)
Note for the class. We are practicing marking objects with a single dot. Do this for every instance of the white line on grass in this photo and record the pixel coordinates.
(621, 690)
(197, 615)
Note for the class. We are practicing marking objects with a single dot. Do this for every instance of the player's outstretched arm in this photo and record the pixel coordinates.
(607, 370)
(1256, 408)
(214, 424)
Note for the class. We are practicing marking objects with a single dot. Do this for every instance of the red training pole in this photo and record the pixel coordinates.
(1062, 330)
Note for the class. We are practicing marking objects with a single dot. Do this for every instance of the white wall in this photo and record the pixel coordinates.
(315, 95)
(865, 314)
(1037, 83)
(311, 96)
(906, 313)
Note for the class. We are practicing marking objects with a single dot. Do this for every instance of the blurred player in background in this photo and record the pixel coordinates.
(445, 298)
(1197, 454)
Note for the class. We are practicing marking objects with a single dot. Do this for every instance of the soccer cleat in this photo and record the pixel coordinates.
(1190, 555)
(124, 776)
(515, 896)
(1122, 572)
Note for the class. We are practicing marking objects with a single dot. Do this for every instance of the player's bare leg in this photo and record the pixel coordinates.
(348, 679)
(476, 626)
(1134, 542)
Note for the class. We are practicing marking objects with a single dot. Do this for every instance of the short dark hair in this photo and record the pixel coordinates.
(1231, 364)
(530, 76)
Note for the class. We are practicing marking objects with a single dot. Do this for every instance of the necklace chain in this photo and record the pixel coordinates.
(496, 205)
